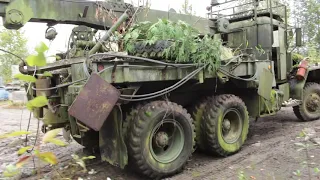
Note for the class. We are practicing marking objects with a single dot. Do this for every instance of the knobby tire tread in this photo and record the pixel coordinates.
(134, 146)
(209, 123)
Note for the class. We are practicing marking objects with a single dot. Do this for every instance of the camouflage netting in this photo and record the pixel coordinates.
(178, 42)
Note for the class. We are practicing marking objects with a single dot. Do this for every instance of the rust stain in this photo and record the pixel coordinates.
(95, 102)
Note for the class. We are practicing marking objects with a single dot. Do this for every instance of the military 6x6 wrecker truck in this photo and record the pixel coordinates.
(152, 113)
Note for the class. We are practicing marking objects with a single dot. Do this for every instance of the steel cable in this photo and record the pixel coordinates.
(164, 91)
(178, 84)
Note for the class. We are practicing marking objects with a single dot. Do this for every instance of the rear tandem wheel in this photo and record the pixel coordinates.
(198, 112)
(225, 124)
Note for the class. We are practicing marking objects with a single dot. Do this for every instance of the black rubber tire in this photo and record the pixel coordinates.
(197, 114)
(140, 130)
(154, 51)
(212, 124)
(300, 111)
(127, 121)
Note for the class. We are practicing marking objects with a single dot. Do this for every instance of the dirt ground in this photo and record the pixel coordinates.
(269, 153)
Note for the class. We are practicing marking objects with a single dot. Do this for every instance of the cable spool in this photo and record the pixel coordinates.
(222, 25)
(51, 33)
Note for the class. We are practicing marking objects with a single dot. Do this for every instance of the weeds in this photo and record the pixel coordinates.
(196, 174)
(242, 175)
(33, 152)
(297, 173)
(305, 146)
(12, 105)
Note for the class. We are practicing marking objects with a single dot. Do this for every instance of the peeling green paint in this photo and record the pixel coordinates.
(20, 8)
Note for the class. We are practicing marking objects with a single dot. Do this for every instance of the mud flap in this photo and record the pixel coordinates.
(265, 84)
(112, 146)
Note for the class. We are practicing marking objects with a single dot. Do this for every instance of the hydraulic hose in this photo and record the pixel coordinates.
(59, 86)
(143, 59)
(164, 91)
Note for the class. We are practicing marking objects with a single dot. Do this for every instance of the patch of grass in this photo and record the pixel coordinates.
(13, 105)
(242, 175)
(2, 103)
(196, 174)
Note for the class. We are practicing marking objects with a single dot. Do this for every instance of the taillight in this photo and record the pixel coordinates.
(100, 67)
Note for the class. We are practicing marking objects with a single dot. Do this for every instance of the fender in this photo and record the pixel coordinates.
(297, 84)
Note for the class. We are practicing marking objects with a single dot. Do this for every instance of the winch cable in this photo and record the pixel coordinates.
(138, 66)
(237, 77)
(173, 87)
(143, 59)
(252, 78)
(59, 86)
(231, 60)
(181, 82)
(146, 96)
(155, 94)
(68, 84)
(164, 91)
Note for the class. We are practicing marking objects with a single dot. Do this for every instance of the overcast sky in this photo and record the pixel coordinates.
(35, 31)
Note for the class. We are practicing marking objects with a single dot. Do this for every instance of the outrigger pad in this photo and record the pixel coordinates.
(95, 102)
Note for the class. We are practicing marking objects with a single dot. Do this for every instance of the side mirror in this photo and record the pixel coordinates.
(298, 37)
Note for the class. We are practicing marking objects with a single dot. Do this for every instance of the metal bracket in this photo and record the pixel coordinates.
(291, 103)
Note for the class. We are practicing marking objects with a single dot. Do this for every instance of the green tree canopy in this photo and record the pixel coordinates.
(187, 8)
(14, 42)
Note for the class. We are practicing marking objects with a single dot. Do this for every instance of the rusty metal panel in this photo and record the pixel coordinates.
(95, 102)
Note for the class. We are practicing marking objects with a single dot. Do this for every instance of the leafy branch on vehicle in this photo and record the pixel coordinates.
(184, 43)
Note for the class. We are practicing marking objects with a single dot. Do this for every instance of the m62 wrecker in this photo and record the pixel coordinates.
(152, 114)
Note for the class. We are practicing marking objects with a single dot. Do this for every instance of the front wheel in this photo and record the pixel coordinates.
(225, 124)
(310, 108)
(160, 139)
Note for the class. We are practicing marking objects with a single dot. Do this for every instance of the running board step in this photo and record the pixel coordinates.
(291, 103)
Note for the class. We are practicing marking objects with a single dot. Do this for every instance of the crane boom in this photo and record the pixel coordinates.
(17, 13)
(95, 14)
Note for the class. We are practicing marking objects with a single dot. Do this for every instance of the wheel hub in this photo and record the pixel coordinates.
(313, 102)
(162, 139)
(167, 141)
(231, 126)
(226, 124)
